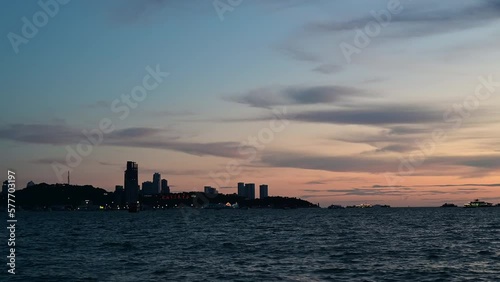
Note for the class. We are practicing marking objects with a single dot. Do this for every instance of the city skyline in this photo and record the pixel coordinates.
(328, 101)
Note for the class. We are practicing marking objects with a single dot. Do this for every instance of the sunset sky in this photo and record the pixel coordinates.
(341, 102)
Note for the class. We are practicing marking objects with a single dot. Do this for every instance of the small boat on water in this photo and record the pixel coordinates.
(448, 205)
(478, 204)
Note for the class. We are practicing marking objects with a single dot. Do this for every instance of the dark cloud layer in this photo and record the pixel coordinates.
(375, 163)
(327, 163)
(296, 95)
(219, 149)
(422, 21)
(140, 137)
(375, 115)
(134, 132)
(53, 134)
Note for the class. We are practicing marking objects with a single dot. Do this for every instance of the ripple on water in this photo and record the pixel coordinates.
(267, 245)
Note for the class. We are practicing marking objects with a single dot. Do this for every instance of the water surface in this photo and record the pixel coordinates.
(397, 244)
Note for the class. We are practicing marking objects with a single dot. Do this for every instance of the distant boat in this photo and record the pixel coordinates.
(478, 204)
(447, 205)
(335, 207)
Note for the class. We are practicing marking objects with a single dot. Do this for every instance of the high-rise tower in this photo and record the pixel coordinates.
(264, 191)
(132, 183)
(156, 183)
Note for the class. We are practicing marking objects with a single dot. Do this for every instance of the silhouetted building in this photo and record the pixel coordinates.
(148, 188)
(132, 183)
(250, 191)
(264, 191)
(164, 187)
(210, 191)
(156, 183)
(31, 183)
(5, 187)
(241, 189)
(119, 195)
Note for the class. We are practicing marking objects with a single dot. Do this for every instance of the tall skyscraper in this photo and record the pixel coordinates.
(156, 183)
(250, 191)
(132, 183)
(264, 191)
(241, 189)
(164, 187)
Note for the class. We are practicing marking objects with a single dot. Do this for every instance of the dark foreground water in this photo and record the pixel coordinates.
(453, 244)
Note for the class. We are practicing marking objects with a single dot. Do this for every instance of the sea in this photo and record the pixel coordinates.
(384, 244)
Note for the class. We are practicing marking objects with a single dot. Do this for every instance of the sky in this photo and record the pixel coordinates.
(336, 102)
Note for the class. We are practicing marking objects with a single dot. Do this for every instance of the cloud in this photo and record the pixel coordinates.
(53, 134)
(134, 132)
(347, 111)
(399, 148)
(328, 68)
(154, 138)
(297, 53)
(422, 21)
(357, 163)
(377, 163)
(140, 137)
(218, 149)
(315, 183)
(374, 115)
(483, 162)
(391, 138)
(296, 95)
